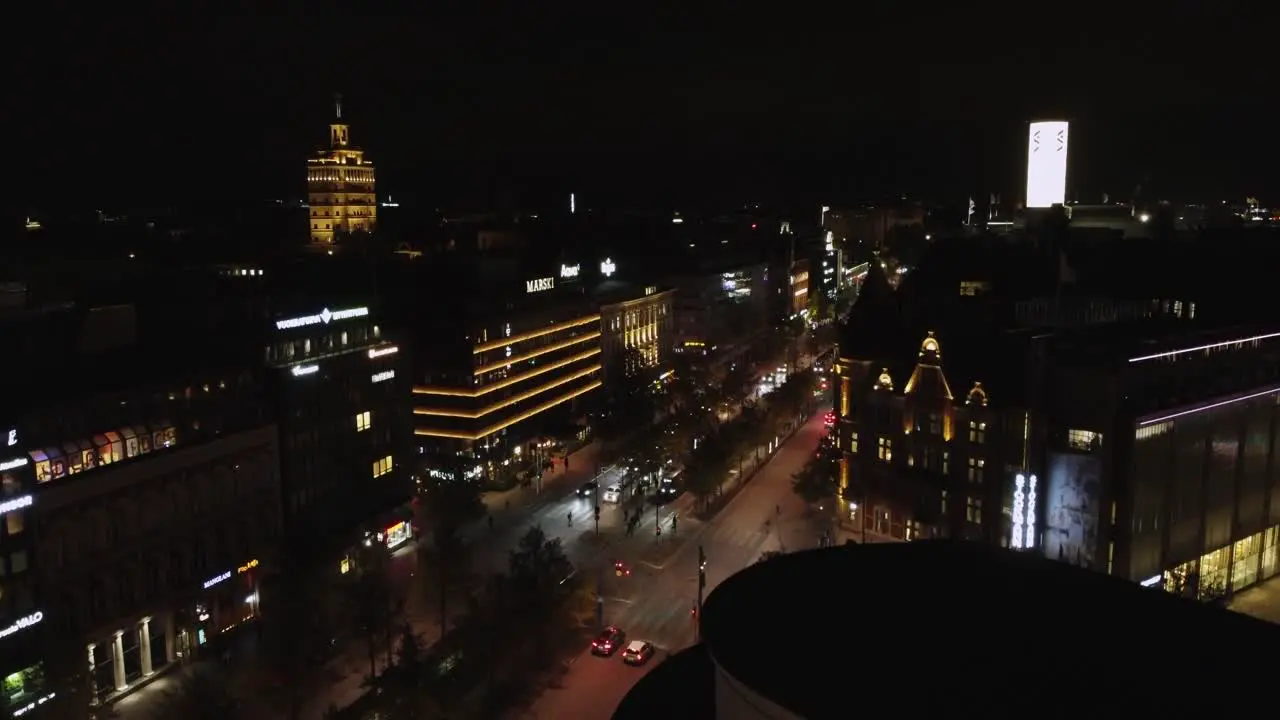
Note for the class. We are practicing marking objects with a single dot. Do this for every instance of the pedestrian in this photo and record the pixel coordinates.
(570, 518)
(490, 522)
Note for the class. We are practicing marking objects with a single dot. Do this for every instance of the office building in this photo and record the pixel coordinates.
(340, 187)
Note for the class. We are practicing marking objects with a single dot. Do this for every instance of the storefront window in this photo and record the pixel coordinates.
(117, 446)
(75, 463)
(1213, 573)
(1268, 553)
(397, 534)
(1244, 562)
(43, 470)
(164, 437)
(144, 438)
(23, 687)
(57, 463)
(1183, 580)
(88, 455)
(103, 447)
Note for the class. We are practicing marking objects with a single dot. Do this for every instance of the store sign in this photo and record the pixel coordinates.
(13, 438)
(33, 705)
(608, 268)
(383, 376)
(324, 317)
(533, 286)
(1024, 512)
(215, 580)
(570, 271)
(12, 464)
(300, 370)
(18, 503)
(22, 623)
(380, 352)
(247, 566)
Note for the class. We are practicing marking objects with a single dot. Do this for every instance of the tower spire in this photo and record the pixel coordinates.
(337, 105)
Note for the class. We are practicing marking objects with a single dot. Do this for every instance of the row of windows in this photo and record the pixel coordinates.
(972, 508)
(884, 453)
(383, 465)
(287, 350)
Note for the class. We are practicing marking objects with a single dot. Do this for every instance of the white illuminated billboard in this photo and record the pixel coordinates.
(1047, 164)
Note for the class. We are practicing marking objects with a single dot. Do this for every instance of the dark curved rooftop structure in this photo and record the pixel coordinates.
(950, 629)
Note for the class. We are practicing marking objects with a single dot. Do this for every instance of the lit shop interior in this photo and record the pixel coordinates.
(25, 690)
(113, 446)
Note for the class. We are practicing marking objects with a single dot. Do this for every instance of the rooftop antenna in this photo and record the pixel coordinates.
(337, 104)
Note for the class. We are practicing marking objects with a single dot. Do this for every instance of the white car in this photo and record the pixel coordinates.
(612, 494)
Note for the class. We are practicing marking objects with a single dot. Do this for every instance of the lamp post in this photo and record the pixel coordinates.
(702, 584)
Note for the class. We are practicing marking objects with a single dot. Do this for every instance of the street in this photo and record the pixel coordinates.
(654, 603)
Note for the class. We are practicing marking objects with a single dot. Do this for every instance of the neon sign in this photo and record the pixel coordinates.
(324, 317)
(215, 580)
(248, 566)
(379, 352)
(13, 437)
(1019, 510)
(383, 376)
(533, 286)
(9, 506)
(570, 271)
(22, 623)
(14, 463)
(300, 370)
(608, 268)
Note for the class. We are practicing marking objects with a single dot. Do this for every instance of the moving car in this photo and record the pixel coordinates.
(608, 642)
(637, 653)
(612, 494)
(621, 569)
(829, 420)
(588, 488)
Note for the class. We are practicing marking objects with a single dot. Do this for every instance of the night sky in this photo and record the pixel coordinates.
(464, 111)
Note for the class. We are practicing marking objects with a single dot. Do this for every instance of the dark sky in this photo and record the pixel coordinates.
(466, 109)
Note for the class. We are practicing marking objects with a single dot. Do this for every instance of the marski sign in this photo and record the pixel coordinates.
(533, 286)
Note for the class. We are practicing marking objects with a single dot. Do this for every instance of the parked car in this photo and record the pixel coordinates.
(637, 653)
(608, 642)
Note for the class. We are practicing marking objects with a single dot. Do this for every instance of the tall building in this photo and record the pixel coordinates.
(340, 184)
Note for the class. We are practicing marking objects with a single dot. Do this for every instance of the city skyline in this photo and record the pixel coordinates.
(645, 113)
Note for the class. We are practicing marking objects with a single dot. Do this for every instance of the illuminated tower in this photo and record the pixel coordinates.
(340, 186)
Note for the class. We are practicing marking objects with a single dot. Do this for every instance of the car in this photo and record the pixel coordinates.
(608, 642)
(621, 569)
(588, 488)
(637, 653)
(829, 419)
(612, 494)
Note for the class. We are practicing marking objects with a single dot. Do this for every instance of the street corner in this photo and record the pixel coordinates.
(658, 553)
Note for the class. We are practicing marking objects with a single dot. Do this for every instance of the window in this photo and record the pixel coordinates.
(13, 522)
(17, 562)
(364, 421)
(1083, 440)
(973, 513)
(977, 470)
(935, 423)
(946, 462)
(853, 443)
(944, 503)
(886, 449)
(977, 432)
(382, 466)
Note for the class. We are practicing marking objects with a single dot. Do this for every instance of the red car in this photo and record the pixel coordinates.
(829, 419)
(621, 569)
(610, 639)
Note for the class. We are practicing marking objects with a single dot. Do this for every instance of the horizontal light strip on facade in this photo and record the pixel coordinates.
(486, 389)
(495, 344)
(1198, 348)
(473, 414)
(1210, 406)
(536, 353)
(512, 421)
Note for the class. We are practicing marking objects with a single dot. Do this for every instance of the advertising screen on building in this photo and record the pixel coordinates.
(1047, 164)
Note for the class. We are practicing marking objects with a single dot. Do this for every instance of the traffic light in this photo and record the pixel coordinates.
(702, 568)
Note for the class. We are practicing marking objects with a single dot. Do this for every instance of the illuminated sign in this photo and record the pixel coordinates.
(1024, 512)
(14, 463)
(300, 370)
(215, 580)
(13, 438)
(650, 290)
(379, 352)
(33, 704)
(608, 268)
(324, 317)
(383, 376)
(22, 623)
(570, 271)
(247, 566)
(1153, 581)
(533, 286)
(1047, 164)
(18, 503)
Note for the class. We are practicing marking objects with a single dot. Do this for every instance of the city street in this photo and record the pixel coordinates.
(654, 603)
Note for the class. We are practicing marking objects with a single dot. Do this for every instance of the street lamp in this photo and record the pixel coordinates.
(702, 584)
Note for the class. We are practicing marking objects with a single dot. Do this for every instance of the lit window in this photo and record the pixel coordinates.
(973, 513)
(382, 466)
(886, 449)
(977, 470)
(977, 432)
(853, 443)
(944, 502)
(946, 462)
(1083, 439)
(364, 421)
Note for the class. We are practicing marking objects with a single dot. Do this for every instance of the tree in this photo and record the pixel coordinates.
(537, 570)
(200, 694)
(628, 399)
(374, 602)
(301, 618)
(816, 481)
(707, 467)
(446, 505)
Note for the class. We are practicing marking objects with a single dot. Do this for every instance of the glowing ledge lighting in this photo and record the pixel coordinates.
(22, 623)
(383, 376)
(1211, 406)
(18, 503)
(486, 389)
(475, 414)
(508, 423)
(324, 317)
(535, 353)
(495, 344)
(1198, 348)
(379, 352)
(215, 580)
(300, 370)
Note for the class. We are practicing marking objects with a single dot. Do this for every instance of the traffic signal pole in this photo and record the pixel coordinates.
(702, 584)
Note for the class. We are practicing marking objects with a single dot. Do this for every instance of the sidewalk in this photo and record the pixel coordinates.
(504, 503)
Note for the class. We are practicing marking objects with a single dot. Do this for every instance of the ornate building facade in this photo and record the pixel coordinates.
(340, 187)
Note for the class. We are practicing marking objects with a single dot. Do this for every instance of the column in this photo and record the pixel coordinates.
(93, 678)
(117, 659)
(168, 638)
(144, 645)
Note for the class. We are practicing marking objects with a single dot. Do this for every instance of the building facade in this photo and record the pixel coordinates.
(340, 187)
(720, 311)
(642, 323)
